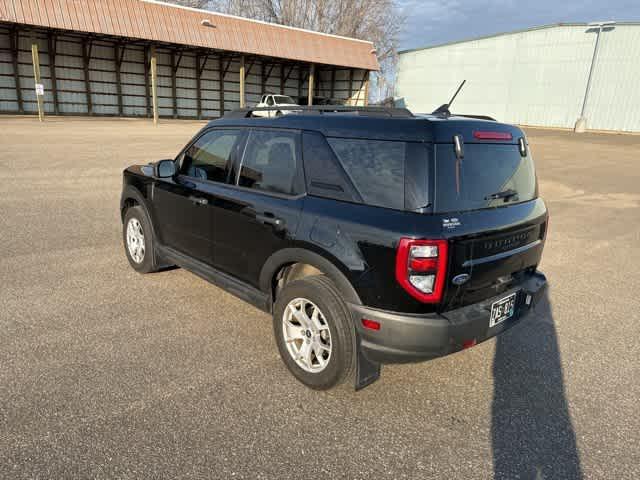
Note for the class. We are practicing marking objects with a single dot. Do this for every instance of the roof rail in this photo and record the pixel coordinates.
(324, 109)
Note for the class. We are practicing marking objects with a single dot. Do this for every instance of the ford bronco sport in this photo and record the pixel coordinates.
(371, 235)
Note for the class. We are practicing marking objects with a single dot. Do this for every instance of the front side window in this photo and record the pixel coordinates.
(270, 100)
(270, 162)
(209, 157)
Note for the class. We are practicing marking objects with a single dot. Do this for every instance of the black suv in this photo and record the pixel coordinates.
(371, 235)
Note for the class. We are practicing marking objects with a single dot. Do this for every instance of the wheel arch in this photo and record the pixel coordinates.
(290, 256)
(130, 197)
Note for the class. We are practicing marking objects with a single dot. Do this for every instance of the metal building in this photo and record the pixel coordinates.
(108, 57)
(534, 77)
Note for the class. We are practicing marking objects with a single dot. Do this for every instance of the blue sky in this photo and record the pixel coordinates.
(432, 22)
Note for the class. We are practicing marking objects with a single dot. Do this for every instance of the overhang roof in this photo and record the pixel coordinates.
(161, 22)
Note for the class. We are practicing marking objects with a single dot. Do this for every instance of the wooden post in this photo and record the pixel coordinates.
(221, 85)
(147, 105)
(52, 68)
(281, 79)
(242, 75)
(366, 87)
(174, 99)
(350, 102)
(299, 82)
(154, 84)
(333, 85)
(86, 58)
(117, 55)
(36, 76)
(198, 92)
(16, 74)
(263, 80)
(312, 68)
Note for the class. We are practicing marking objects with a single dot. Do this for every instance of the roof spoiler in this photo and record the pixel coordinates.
(324, 109)
(477, 117)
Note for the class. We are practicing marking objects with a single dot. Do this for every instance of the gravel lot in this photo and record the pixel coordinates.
(105, 373)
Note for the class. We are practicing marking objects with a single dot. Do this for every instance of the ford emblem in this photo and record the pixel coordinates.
(461, 279)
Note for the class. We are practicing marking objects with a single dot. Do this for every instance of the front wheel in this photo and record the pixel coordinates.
(314, 332)
(138, 240)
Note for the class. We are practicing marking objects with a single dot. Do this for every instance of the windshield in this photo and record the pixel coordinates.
(488, 176)
(280, 99)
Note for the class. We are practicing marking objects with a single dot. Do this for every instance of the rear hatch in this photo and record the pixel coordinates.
(485, 196)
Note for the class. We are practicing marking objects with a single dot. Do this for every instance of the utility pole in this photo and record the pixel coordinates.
(581, 123)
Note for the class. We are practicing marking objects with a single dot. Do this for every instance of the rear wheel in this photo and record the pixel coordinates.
(138, 240)
(314, 332)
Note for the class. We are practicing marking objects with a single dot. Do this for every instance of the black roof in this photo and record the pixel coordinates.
(370, 123)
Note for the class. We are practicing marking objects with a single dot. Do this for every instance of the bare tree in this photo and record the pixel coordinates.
(192, 3)
(378, 21)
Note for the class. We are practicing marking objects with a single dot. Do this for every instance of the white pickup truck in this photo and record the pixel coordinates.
(275, 101)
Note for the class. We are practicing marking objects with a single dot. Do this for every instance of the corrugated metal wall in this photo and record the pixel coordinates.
(536, 77)
(116, 75)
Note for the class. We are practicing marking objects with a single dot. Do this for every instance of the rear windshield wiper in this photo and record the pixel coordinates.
(506, 194)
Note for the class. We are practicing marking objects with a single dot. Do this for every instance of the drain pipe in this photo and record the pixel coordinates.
(581, 123)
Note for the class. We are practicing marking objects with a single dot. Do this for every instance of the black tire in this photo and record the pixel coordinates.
(148, 263)
(278, 113)
(323, 293)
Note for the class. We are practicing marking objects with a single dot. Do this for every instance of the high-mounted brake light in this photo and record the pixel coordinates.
(485, 135)
(421, 267)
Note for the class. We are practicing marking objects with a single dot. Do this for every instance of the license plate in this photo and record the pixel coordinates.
(502, 310)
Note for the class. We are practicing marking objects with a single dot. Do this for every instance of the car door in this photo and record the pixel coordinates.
(259, 215)
(183, 205)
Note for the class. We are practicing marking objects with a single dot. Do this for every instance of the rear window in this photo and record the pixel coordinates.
(488, 176)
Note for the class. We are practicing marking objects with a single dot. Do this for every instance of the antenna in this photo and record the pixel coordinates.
(444, 109)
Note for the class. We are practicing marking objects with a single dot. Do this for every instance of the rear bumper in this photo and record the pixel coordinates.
(406, 338)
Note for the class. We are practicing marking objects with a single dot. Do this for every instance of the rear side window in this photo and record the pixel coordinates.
(488, 176)
(375, 167)
(325, 177)
(271, 162)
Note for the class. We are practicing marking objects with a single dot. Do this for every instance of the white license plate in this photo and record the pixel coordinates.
(502, 310)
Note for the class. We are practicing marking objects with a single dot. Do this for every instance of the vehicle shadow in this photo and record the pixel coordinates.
(532, 433)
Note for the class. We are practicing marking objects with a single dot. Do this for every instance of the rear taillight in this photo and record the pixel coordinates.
(421, 268)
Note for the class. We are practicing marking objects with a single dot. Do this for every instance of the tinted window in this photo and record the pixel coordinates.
(280, 99)
(208, 158)
(375, 167)
(270, 161)
(484, 171)
(269, 100)
(325, 177)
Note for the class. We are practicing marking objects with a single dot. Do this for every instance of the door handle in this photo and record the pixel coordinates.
(199, 200)
(269, 219)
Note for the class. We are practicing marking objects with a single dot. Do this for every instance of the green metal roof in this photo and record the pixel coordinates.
(531, 29)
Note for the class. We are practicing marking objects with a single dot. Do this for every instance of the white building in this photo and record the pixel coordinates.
(533, 77)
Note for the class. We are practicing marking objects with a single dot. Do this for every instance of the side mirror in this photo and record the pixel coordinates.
(165, 169)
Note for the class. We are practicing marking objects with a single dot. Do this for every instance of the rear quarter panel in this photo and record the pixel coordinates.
(363, 241)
